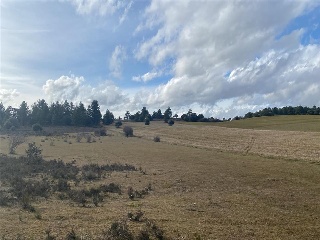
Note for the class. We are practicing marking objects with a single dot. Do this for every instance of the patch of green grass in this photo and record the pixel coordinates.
(304, 123)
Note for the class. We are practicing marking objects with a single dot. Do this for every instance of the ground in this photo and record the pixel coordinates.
(209, 181)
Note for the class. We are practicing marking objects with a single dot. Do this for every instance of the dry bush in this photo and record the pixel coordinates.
(14, 142)
(79, 137)
(156, 139)
(128, 131)
(88, 138)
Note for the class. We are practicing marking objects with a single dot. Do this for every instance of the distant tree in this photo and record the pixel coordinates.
(2, 114)
(40, 113)
(79, 115)
(143, 114)
(167, 114)
(56, 112)
(23, 114)
(108, 117)
(248, 115)
(175, 116)
(67, 113)
(94, 113)
(11, 123)
(127, 115)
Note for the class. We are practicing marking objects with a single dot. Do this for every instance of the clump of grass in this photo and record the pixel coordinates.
(156, 139)
(79, 137)
(88, 138)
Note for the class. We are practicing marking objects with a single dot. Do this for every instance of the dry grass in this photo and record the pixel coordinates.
(209, 182)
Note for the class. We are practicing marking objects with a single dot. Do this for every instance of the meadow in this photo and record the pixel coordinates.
(200, 181)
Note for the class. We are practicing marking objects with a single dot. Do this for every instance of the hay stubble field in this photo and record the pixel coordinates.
(208, 181)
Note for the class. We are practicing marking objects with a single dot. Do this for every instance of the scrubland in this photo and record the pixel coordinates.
(201, 181)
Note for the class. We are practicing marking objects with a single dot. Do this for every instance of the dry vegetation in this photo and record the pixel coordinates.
(208, 182)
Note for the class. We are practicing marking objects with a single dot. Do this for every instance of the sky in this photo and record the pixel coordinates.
(219, 58)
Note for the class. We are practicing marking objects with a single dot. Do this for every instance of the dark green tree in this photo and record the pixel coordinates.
(167, 114)
(94, 113)
(40, 113)
(79, 116)
(23, 114)
(108, 117)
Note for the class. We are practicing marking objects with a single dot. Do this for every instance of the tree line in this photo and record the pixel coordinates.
(69, 114)
(287, 110)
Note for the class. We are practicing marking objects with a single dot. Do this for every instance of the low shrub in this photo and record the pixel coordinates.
(118, 124)
(156, 139)
(170, 122)
(128, 131)
(37, 127)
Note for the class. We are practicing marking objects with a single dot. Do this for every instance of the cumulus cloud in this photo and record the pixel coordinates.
(7, 95)
(116, 60)
(63, 88)
(76, 89)
(101, 7)
(230, 50)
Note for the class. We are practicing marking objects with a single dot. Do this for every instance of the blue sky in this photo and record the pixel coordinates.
(220, 58)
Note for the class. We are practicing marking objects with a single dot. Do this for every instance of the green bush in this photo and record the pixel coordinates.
(33, 152)
(118, 124)
(170, 122)
(37, 127)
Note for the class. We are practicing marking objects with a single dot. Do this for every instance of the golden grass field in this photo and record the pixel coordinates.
(210, 181)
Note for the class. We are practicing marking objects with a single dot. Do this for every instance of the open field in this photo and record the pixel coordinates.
(303, 123)
(208, 182)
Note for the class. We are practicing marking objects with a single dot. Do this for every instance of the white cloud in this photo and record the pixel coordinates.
(147, 76)
(76, 89)
(207, 39)
(7, 95)
(63, 88)
(116, 60)
(125, 13)
(101, 7)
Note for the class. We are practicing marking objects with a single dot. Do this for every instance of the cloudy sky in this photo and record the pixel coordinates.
(220, 58)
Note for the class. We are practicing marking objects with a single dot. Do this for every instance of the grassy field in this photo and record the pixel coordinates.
(303, 123)
(208, 182)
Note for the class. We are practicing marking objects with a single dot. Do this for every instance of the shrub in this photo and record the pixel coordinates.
(136, 217)
(170, 122)
(33, 152)
(101, 132)
(147, 122)
(119, 231)
(79, 137)
(37, 127)
(156, 139)
(88, 137)
(118, 124)
(128, 131)
(14, 142)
